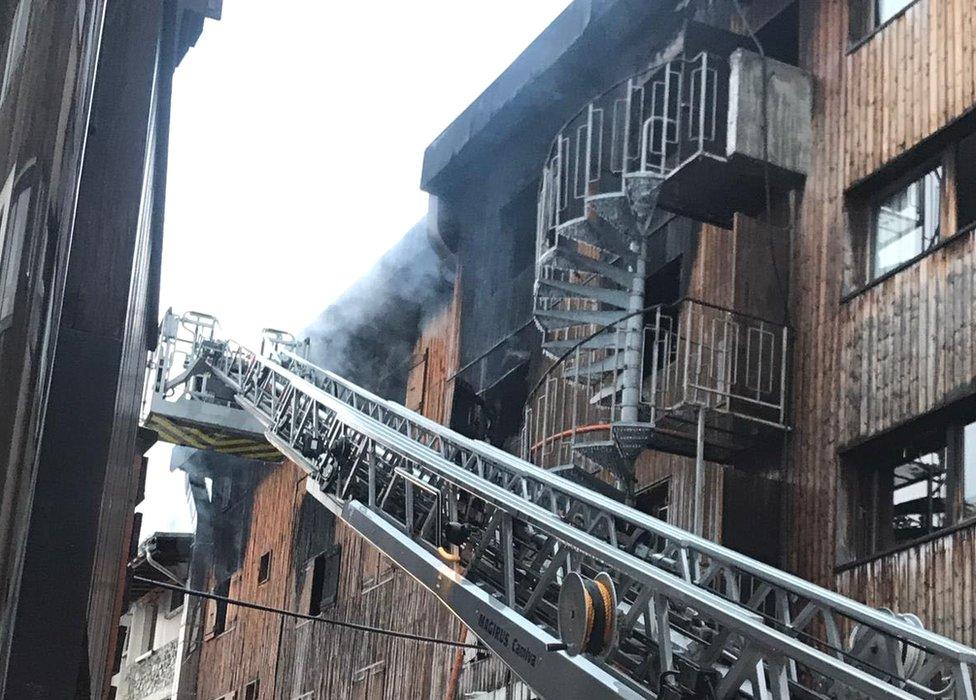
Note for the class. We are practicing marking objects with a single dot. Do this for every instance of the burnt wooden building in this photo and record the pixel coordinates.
(785, 364)
(84, 113)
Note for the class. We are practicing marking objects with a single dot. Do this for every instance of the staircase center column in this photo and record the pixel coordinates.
(634, 337)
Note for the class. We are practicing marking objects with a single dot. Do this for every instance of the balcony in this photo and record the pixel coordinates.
(727, 364)
(684, 136)
(696, 357)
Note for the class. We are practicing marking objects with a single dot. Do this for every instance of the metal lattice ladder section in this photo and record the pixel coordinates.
(494, 538)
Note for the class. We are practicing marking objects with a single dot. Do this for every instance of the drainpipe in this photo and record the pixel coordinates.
(162, 569)
(634, 337)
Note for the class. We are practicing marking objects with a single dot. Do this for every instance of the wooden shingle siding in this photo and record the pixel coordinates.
(904, 83)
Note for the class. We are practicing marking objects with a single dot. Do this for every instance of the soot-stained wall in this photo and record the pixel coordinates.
(367, 335)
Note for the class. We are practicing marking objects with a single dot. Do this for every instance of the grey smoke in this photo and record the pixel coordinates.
(368, 334)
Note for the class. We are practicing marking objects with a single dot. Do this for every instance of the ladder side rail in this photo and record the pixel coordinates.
(823, 600)
(764, 645)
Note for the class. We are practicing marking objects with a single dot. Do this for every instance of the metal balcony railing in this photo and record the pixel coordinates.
(647, 125)
(695, 356)
(705, 356)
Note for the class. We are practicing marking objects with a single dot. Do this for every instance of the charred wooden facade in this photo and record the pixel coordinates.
(851, 246)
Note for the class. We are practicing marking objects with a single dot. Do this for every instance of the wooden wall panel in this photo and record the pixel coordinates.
(652, 467)
(712, 277)
(907, 343)
(914, 77)
(810, 478)
(343, 663)
(934, 580)
(248, 648)
(430, 390)
(904, 346)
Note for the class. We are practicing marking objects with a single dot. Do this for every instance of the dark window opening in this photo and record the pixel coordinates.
(252, 689)
(470, 414)
(655, 500)
(924, 484)
(264, 567)
(504, 402)
(966, 182)
(220, 619)
(175, 601)
(325, 580)
(780, 36)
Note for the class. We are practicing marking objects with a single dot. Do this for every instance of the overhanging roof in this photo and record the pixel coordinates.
(540, 86)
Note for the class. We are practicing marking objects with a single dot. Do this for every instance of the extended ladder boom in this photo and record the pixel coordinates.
(495, 538)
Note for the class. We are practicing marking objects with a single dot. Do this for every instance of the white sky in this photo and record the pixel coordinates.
(297, 138)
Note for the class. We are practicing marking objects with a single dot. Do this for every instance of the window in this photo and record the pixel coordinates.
(965, 183)
(148, 628)
(264, 567)
(252, 689)
(925, 483)
(885, 10)
(905, 223)
(918, 503)
(655, 500)
(220, 620)
(325, 580)
(969, 471)
(867, 16)
(175, 601)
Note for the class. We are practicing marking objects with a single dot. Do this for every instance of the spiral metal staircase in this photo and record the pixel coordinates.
(607, 185)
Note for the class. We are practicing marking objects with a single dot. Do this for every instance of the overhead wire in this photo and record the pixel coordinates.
(302, 616)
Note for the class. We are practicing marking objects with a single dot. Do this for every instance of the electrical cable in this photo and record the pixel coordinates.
(302, 616)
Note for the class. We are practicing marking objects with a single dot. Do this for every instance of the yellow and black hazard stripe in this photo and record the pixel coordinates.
(191, 435)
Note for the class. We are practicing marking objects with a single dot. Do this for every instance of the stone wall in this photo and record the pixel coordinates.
(150, 675)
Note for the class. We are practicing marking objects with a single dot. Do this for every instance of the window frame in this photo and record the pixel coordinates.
(864, 21)
(265, 562)
(871, 518)
(919, 179)
(860, 209)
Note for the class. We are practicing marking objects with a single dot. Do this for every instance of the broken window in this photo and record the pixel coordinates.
(220, 620)
(918, 502)
(905, 222)
(264, 567)
(923, 483)
(325, 580)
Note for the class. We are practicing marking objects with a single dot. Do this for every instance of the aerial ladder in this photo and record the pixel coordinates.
(580, 595)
